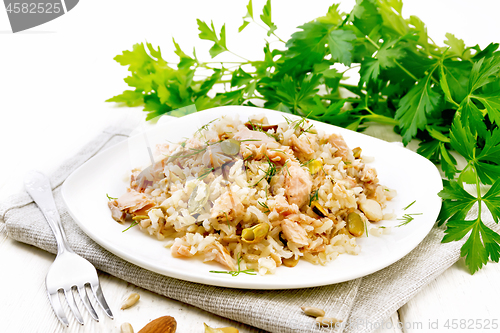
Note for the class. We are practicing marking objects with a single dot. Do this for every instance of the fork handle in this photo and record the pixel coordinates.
(38, 186)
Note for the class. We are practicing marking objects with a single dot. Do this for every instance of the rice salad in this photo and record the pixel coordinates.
(255, 196)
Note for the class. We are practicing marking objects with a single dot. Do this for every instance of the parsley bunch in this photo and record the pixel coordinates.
(448, 96)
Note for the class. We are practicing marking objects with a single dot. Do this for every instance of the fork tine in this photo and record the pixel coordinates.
(56, 306)
(96, 289)
(85, 299)
(70, 298)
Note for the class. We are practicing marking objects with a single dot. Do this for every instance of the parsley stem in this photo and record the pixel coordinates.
(372, 42)
(405, 70)
(479, 197)
(272, 33)
(247, 60)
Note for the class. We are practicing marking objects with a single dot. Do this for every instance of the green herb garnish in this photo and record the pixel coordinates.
(133, 224)
(263, 204)
(409, 205)
(407, 218)
(110, 198)
(205, 173)
(269, 173)
(236, 273)
(285, 167)
(227, 219)
(313, 197)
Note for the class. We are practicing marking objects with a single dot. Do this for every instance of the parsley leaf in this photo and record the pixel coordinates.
(414, 108)
(208, 33)
(266, 18)
(340, 44)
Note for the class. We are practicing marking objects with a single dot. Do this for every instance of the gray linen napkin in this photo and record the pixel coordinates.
(360, 304)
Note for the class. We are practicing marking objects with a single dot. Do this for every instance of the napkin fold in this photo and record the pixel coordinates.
(361, 305)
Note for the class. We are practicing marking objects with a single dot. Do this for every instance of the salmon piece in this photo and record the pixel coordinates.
(368, 174)
(283, 207)
(223, 257)
(280, 155)
(293, 232)
(256, 138)
(298, 184)
(214, 157)
(148, 176)
(116, 213)
(228, 204)
(301, 147)
(133, 201)
(180, 250)
(337, 141)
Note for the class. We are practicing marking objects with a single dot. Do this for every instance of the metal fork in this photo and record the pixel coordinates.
(69, 271)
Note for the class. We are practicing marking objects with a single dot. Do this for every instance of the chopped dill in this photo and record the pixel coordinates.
(410, 205)
(407, 218)
(300, 124)
(206, 173)
(110, 198)
(263, 204)
(249, 156)
(285, 166)
(306, 163)
(227, 219)
(131, 225)
(279, 151)
(236, 273)
(205, 127)
(245, 140)
(269, 173)
(313, 197)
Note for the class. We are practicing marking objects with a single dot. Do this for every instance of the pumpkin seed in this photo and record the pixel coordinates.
(355, 224)
(290, 262)
(255, 234)
(230, 147)
(316, 207)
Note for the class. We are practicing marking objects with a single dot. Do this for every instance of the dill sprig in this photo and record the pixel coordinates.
(205, 173)
(236, 273)
(110, 198)
(306, 163)
(131, 225)
(204, 127)
(285, 167)
(227, 219)
(410, 205)
(407, 218)
(263, 204)
(313, 197)
(300, 124)
(269, 173)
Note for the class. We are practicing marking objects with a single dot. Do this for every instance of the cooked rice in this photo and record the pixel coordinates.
(271, 181)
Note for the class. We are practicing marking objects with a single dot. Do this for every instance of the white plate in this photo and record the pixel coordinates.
(413, 176)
